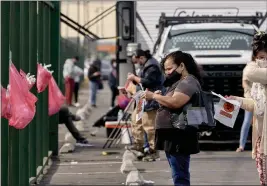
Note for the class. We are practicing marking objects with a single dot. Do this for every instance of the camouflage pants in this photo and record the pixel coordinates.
(146, 124)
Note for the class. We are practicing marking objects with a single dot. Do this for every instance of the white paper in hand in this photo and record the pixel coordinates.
(140, 109)
(226, 111)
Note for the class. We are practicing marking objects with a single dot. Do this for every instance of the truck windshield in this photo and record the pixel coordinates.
(191, 40)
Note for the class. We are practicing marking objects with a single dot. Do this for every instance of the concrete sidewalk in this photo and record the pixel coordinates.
(87, 165)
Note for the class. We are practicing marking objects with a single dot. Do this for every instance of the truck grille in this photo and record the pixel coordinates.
(223, 79)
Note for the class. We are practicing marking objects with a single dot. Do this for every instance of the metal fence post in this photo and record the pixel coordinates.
(13, 136)
(24, 65)
(45, 59)
(33, 70)
(55, 60)
(40, 117)
(5, 15)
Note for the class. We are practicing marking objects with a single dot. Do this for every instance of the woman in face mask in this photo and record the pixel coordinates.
(256, 72)
(182, 81)
(112, 81)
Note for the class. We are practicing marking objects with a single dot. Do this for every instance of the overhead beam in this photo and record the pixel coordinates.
(79, 27)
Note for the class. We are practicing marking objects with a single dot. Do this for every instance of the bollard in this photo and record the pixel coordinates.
(127, 166)
(67, 148)
(134, 178)
(80, 126)
(128, 155)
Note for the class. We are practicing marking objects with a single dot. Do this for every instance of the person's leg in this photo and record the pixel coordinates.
(146, 145)
(149, 127)
(261, 164)
(180, 168)
(76, 90)
(113, 96)
(93, 93)
(73, 130)
(71, 81)
(245, 130)
(67, 90)
(66, 117)
(138, 133)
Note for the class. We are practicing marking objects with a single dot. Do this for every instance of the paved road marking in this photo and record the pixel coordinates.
(88, 163)
(146, 171)
(136, 162)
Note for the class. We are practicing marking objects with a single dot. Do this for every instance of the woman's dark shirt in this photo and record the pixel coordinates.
(92, 70)
(171, 139)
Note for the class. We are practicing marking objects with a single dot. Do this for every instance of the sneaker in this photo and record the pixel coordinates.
(77, 104)
(137, 150)
(239, 149)
(83, 143)
(152, 156)
(94, 106)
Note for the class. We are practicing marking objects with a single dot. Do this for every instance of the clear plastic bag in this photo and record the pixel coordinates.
(55, 97)
(22, 101)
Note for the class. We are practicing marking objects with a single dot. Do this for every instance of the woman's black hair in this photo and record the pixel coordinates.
(76, 57)
(112, 61)
(145, 53)
(259, 43)
(191, 66)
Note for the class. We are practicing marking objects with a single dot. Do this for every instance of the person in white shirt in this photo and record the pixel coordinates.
(77, 73)
(68, 74)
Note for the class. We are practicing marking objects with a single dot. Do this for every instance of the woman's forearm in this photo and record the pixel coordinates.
(247, 103)
(166, 101)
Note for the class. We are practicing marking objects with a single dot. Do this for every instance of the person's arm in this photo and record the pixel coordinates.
(182, 94)
(256, 74)
(246, 103)
(150, 77)
(174, 102)
(67, 68)
(79, 71)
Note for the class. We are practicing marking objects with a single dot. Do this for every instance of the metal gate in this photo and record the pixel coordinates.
(30, 33)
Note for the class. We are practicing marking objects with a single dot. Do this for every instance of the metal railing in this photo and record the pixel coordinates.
(30, 33)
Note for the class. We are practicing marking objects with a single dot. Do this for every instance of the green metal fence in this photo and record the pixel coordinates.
(30, 33)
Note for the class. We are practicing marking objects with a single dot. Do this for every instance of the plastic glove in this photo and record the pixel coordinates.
(30, 78)
(7, 90)
(46, 67)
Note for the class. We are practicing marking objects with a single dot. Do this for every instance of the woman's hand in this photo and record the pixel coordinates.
(130, 77)
(158, 92)
(96, 74)
(148, 95)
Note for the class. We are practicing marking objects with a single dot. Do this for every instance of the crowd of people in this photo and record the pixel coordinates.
(169, 86)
